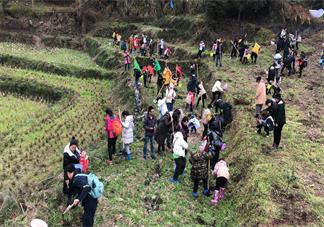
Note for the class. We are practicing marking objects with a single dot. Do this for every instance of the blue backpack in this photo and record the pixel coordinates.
(97, 187)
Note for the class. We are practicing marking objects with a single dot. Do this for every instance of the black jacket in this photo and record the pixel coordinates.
(280, 114)
(192, 84)
(149, 122)
(80, 187)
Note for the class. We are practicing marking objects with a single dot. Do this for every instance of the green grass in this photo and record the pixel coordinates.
(51, 55)
(24, 112)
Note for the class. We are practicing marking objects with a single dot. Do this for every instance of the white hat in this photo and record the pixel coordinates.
(277, 56)
(38, 223)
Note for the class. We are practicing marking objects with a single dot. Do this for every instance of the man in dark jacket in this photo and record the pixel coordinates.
(279, 119)
(192, 84)
(149, 127)
(79, 186)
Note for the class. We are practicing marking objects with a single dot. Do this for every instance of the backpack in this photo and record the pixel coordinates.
(116, 126)
(97, 187)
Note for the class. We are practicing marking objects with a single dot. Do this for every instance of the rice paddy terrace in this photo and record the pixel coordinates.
(51, 92)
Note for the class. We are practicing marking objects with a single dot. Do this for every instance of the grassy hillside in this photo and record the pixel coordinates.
(267, 187)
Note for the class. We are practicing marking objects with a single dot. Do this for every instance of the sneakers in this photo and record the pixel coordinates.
(109, 162)
(173, 181)
(129, 157)
(206, 192)
(194, 194)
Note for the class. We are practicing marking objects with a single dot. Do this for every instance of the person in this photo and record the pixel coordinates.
(302, 63)
(163, 108)
(149, 127)
(150, 70)
(260, 96)
(185, 128)
(206, 117)
(199, 170)
(114, 36)
(167, 74)
(201, 49)
(145, 75)
(161, 50)
(167, 53)
(131, 43)
(193, 68)
(271, 107)
(192, 90)
(80, 187)
(178, 72)
(217, 91)
(170, 97)
(123, 45)
(128, 134)
(266, 121)
(226, 115)
(193, 124)
(242, 47)
(159, 84)
(216, 144)
(214, 48)
(137, 75)
(286, 47)
(219, 53)
(118, 37)
(221, 172)
(298, 41)
(127, 60)
(289, 61)
(280, 121)
(109, 119)
(162, 131)
(71, 155)
(179, 147)
(152, 46)
(202, 94)
(255, 53)
(245, 60)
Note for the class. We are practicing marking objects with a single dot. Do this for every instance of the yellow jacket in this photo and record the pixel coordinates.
(167, 74)
(256, 48)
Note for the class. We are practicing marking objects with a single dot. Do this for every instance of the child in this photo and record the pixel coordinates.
(221, 173)
(84, 161)
(199, 169)
(245, 56)
(193, 124)
(179, 155)
(127, 134)
(302, 63)
(265, 122)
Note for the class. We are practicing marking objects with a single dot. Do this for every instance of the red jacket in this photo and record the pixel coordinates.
(109, 128)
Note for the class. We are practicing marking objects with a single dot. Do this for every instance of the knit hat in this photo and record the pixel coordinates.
(73, 141)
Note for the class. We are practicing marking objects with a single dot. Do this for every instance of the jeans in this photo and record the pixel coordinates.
(277, 134)
(146, 140)
(180, 166)
(111, 147)
(219, 59)
(258, 108)
(90, 205)
(169, 106)
(196, 184)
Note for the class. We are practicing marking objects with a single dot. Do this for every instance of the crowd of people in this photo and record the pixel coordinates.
(169, 128)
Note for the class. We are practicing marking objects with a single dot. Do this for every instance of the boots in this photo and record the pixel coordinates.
(215, 200)
(221, 193)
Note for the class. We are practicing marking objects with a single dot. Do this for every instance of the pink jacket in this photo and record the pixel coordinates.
(261, 96)
(109, 121)
(126, 58)
(221, 169)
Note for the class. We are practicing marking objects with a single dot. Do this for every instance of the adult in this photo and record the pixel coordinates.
(235, 47)
(71, 156)
(260, 96)
(128, 134)
(131, 43)
(217, 91)
(137, 75)
(289, 63)
(179, 72)
(206, 117)
(170, 97)
(80, 187)
(202, 94)
(255, 53)
(219, 53)
(221, 172)
(161, 50)
(302, 63)
(179, 155)
(201, 49)
(167, 74)
(162, 131)
(226, 115)
(149, 127)
(280, 121)
(112, 137)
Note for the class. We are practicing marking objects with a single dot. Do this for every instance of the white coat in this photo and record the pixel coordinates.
(179, 144)
(217, 86)
(128, 128)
